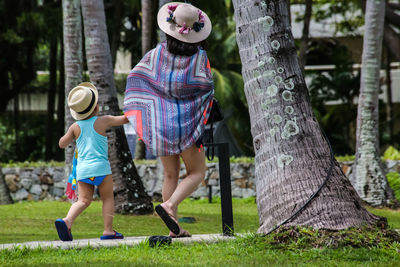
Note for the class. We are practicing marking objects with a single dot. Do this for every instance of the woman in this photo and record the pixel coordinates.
(168, 99)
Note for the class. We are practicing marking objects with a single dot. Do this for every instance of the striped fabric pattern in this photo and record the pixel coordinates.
(168, 99)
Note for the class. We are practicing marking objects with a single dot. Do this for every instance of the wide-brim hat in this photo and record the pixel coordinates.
(82, 100)
(184, 22)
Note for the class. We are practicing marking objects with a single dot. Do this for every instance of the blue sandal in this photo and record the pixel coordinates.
(114, 236)
(62, 229)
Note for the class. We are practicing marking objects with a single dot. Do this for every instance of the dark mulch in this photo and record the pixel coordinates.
(300, 237)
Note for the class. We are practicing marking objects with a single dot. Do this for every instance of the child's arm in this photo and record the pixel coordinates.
(68, 137)
(115, 120)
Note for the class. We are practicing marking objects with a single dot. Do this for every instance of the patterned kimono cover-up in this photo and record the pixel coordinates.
(168, 99)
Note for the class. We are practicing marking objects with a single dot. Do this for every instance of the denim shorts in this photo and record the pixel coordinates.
(94, 180)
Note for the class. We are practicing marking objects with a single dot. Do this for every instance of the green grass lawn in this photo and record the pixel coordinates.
(29, 221)
(250, 251)
(32, 221)
(393, 216)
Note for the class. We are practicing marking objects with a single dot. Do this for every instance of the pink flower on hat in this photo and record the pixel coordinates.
(184, 22)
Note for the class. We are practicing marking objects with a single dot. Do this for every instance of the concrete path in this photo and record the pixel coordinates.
(97, 243)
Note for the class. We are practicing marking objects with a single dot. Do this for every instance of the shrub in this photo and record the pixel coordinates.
(394, 182)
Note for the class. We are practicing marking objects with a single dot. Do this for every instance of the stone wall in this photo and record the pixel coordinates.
(48, 183)
(242, 177)
(39, 183)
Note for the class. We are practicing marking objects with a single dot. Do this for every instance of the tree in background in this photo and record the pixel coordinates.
(5, 197)
(130, 195)
(147, 26)
(304, 37)
(293, 160)
(52, 16)
(368, 177)
(161, 34)
(340, 84)
(73, 60)
(391, 29)
(20, 32)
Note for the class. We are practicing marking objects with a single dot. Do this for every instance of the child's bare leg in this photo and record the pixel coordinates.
(107, 196)
(171, 166)
(195, 168)
(84, 199)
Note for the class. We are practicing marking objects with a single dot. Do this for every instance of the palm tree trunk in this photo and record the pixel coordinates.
(73, 60)
(389, 104)
(5, 197)
(16, 117)
(147, 25)
(161, 34)
(304, 37)
(368, 177)
(61, 96)
(292, 158)
(130, 195)
(51, 99)
(116, 31)
(392, 40)
(147, 21)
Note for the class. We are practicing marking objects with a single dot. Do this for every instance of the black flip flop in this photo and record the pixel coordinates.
(62, 229)
(169, 222)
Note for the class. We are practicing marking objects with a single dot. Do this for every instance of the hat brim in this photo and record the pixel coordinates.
(173, 30)
(78, 116)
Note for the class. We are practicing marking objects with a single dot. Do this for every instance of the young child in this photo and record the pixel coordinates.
(93, 167)
(168, 98)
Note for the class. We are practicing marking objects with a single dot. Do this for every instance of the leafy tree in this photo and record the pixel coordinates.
(20, 32)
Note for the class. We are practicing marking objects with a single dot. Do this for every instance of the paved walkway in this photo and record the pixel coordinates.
(97, 243)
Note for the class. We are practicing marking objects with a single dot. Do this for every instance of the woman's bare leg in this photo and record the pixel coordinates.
(107, 196)
(194, 161)
(84, 199)
(172, 167)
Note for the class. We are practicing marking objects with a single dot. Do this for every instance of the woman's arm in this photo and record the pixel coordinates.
(68, 137)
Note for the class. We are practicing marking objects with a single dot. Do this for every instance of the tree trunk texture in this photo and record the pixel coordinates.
(5, 197)
(73, 62)
(147, 21)
(161, 34)
(16, 123)
(130, 195)
(61, 97)
(394, 5)
(392, 40)
(147, 25)
(389, 104)
(289, 12)
(292, 158)
(304, 37)
(51, 99)
(368, 177)
(392, 17)
(116, 32)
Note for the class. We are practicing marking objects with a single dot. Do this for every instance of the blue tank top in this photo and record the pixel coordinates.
(92, 151)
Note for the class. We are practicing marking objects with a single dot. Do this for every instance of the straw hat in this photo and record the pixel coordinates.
(184, 22)
(82, 100)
